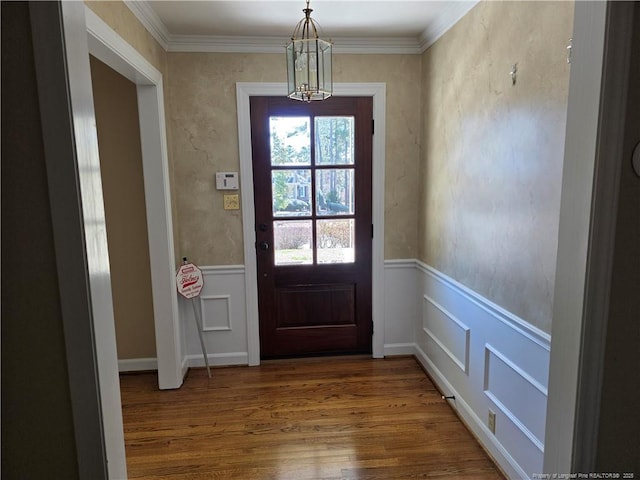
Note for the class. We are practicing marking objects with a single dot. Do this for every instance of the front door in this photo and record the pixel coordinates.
(312, 190)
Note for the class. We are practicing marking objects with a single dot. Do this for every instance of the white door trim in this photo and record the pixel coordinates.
(590, 187)
(573, 235)
(378, 92)
(70, 150)
(110, 48)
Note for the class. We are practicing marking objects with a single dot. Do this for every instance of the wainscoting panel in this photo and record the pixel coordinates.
(224, 320)
(521, 398)
(215, 313)
(448, 332)
(400, 307)
(490, 360)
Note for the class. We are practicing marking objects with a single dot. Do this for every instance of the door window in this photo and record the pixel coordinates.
(313, 189)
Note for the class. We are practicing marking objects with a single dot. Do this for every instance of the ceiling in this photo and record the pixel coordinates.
(355, 26)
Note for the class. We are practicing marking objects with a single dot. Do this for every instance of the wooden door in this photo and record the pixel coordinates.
(312, 187)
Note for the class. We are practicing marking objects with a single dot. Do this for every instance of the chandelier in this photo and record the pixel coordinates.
(308, 62)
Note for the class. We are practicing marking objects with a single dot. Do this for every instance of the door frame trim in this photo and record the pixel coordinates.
(244, 90)
(111, 49)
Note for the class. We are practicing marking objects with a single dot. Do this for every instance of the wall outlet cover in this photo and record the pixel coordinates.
(491, 422)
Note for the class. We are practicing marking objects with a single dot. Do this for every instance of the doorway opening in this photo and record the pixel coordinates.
(117, 123)
(108, 47)
(377, 92)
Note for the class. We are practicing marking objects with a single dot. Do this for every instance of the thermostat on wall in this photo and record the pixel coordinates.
(227, 181)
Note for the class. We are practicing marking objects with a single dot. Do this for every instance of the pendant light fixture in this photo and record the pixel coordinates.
(308, 62)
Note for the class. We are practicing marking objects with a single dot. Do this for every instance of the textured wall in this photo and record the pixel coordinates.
(493, 151)
(401, 73)
(203, 123)
(116, 106)
(118, 16)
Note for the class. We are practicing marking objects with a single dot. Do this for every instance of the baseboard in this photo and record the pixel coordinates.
(137, 364)
(219, 359)
(499, 454)
(395, 349)
(185, 366)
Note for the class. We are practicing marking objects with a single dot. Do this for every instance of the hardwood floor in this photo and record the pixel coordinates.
(327, 418)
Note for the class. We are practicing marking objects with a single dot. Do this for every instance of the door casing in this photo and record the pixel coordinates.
(111, 49)
(378, 92)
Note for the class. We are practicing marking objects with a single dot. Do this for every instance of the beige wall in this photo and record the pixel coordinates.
(116, 108)
(203, 121)
(492, 159)
(118, 16)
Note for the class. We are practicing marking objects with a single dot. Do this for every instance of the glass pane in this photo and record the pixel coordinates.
(290, 140)
(291, 190)
(336, 241)
(334, 191)
(293, 239)
(334, 140)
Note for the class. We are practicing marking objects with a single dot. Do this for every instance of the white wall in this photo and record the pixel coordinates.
(400, 307)
(222, 307)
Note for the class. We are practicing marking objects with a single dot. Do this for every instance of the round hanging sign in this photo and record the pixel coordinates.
(189, 280)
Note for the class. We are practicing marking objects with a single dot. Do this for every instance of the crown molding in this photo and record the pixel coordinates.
(151, 21)
(445, 22)
(226, 44)
(238, 44)
(250, 44)
(373, 45)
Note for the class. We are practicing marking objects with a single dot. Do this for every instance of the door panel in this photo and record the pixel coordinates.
(312, 190)
(298, 305)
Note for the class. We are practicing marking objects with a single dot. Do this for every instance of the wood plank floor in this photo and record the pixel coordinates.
(330, 418)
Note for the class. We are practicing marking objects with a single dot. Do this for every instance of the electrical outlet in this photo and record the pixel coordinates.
(492, 421)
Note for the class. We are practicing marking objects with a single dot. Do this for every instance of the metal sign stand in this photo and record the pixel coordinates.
(189, 283)
(198, 320)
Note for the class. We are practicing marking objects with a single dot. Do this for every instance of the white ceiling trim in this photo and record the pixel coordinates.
(148, 18)
(245, 44)
(237, 44)
(443, 23)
